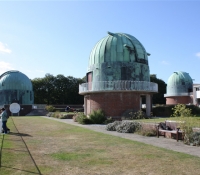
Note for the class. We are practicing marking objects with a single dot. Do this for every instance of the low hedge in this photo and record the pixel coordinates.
(166, 110)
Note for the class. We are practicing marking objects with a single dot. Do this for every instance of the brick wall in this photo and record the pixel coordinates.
(179, 99)
(113, 103)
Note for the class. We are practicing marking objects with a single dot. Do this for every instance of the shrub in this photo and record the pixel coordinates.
(131, 114)
(167, 110)
(82, 119)
(162, 110)
(86, 121)
(180, 110)
(75, 117)
(50, 114)
(112, 126)
(66, 116)
(56, 114)
(50, 108)
(123, 126)
(128, 127)
(147, 130)
(186, 121)
(109, 120)
(195, 109)
(98, 116)
(194, 139)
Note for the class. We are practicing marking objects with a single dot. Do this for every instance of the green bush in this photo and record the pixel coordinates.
(87, 121)
(131, 114)
(194, 139)
(162, 110)
(186, 121)
(128, 127)
(50, 108)
(109, 120)
(113, 126)
(123, 126)
(180, 110)
(195, 109)
(167, 110)
(56, 114)
(66, 116)
(98, 116)
(82, 119)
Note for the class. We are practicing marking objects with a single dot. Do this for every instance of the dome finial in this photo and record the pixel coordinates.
(110, 33)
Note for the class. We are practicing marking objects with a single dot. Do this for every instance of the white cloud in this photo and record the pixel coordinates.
(198, 54)
(4, 66)
(3, 48)
(165, 63)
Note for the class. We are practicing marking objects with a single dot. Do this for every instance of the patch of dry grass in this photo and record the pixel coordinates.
(62, 149)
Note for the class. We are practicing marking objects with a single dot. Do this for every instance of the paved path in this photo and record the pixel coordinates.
(162, 142)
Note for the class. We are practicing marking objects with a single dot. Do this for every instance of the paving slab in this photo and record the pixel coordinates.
(162, 142)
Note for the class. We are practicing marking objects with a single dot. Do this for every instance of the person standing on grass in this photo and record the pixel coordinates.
(4, 117)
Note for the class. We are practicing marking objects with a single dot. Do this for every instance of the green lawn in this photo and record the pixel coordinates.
(54, 148)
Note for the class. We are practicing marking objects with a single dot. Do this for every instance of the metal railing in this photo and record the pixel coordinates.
(118, 86)
(179, 94)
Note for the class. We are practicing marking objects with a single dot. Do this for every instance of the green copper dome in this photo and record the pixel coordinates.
(119, 56)
(15, 80)
(179, 83)
(15, 87)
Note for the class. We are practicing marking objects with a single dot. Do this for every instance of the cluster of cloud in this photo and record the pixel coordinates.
(198, 54)
(4, 49)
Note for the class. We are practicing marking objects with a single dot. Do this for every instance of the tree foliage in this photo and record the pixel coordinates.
(57, 90)
(158, 98)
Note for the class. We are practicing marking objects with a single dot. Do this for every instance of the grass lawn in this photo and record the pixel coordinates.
(42, 146)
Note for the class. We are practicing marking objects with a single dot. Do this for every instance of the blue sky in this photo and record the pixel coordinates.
(56, 37)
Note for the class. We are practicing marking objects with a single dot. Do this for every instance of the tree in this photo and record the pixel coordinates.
(159, 97)
(57, 90)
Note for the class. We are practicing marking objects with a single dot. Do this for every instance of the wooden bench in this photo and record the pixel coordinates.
(171, 127)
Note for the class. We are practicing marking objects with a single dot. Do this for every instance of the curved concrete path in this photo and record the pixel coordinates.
(162, 142)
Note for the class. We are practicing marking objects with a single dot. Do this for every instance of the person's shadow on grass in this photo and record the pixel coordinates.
(20, 134)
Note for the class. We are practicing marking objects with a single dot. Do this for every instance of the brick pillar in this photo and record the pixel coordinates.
(194, 96)
(85, 105)
(148, 105)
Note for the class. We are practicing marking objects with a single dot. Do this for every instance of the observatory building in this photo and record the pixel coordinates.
(118, 76)
(179, 88)
(16, 87)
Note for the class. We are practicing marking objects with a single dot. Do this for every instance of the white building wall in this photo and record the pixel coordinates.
(197, 94)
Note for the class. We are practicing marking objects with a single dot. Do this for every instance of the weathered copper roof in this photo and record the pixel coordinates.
(179, 82)
(119, 56)
(117, 47)
(15, 80)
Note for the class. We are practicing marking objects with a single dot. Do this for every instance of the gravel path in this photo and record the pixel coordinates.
(162, 142)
